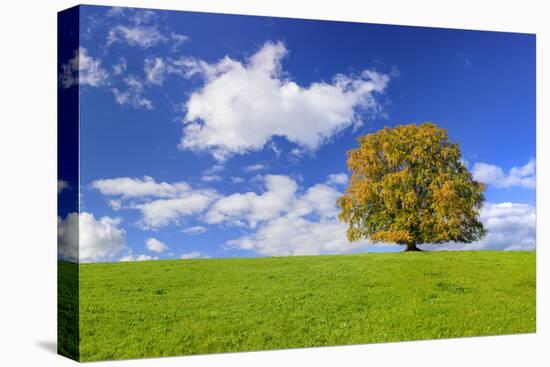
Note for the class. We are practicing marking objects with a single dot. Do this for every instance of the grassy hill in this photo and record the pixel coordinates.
(172, 307)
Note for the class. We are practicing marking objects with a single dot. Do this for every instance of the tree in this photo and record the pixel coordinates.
(409, 186)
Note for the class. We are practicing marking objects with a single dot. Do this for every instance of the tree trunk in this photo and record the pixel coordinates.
(411, 246)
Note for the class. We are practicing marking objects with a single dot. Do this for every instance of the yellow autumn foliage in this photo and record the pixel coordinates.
(409, 186)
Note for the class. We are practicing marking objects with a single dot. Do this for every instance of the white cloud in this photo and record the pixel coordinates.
(510, 226)
(237, 180)
(307, 225)
(176, 40)
(191, 255)
(289, 236)
(155, 69)
(310, 226)
(142, 16)
(140, 36)
(250, 208)
(82, 237)
(142, 30)
(214, 169)
(194, 230)
(319, 199)
(115, 204)
(155, 245)
(285, 221)
(159, 213)
(62, 185)
(67, 237)
(295, 154)
(338, 179)
(120, 67)
(255, 167)
(493, 175)
(242, 106)
(279, 198)
(160, 203)
(83, 70)
(141, 257)
(144, 36)
(211, 178)
(278, 151)
(209, 175)
(133, 94)
(115, 11)
(136, 187)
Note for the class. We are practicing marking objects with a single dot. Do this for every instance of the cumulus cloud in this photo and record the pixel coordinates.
(133, 257)
(320, 200)
(493, 175)
(67, 237)
(191, 255)
(155, 245)
(160, 203)
(194, 230)
(290, 236)
(159, 213)
(338, 179)
(83, 70)
(510, 226)
(285, 219)
(84, 238)
(280, 217)
(139, 187)
(250, 208)
(242, 105)
(307, 225)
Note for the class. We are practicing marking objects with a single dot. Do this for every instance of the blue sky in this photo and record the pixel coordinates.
(208, 135)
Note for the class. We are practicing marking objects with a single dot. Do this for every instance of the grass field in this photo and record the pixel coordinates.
(177, 307)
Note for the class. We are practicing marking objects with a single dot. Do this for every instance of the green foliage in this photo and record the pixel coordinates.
(181, 307)
(410, 186)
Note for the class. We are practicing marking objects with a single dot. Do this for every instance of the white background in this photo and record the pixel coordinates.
(28, 182)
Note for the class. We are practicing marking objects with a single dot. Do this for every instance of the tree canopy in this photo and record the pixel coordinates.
(410, 186)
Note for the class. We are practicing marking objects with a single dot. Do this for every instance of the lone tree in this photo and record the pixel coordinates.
(409, 186)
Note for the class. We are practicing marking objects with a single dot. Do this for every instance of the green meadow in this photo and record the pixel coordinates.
(182, 307)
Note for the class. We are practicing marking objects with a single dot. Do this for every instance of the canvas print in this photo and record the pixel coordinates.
(233, 183)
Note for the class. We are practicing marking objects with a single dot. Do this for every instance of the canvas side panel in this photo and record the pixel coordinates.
(68, 335)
